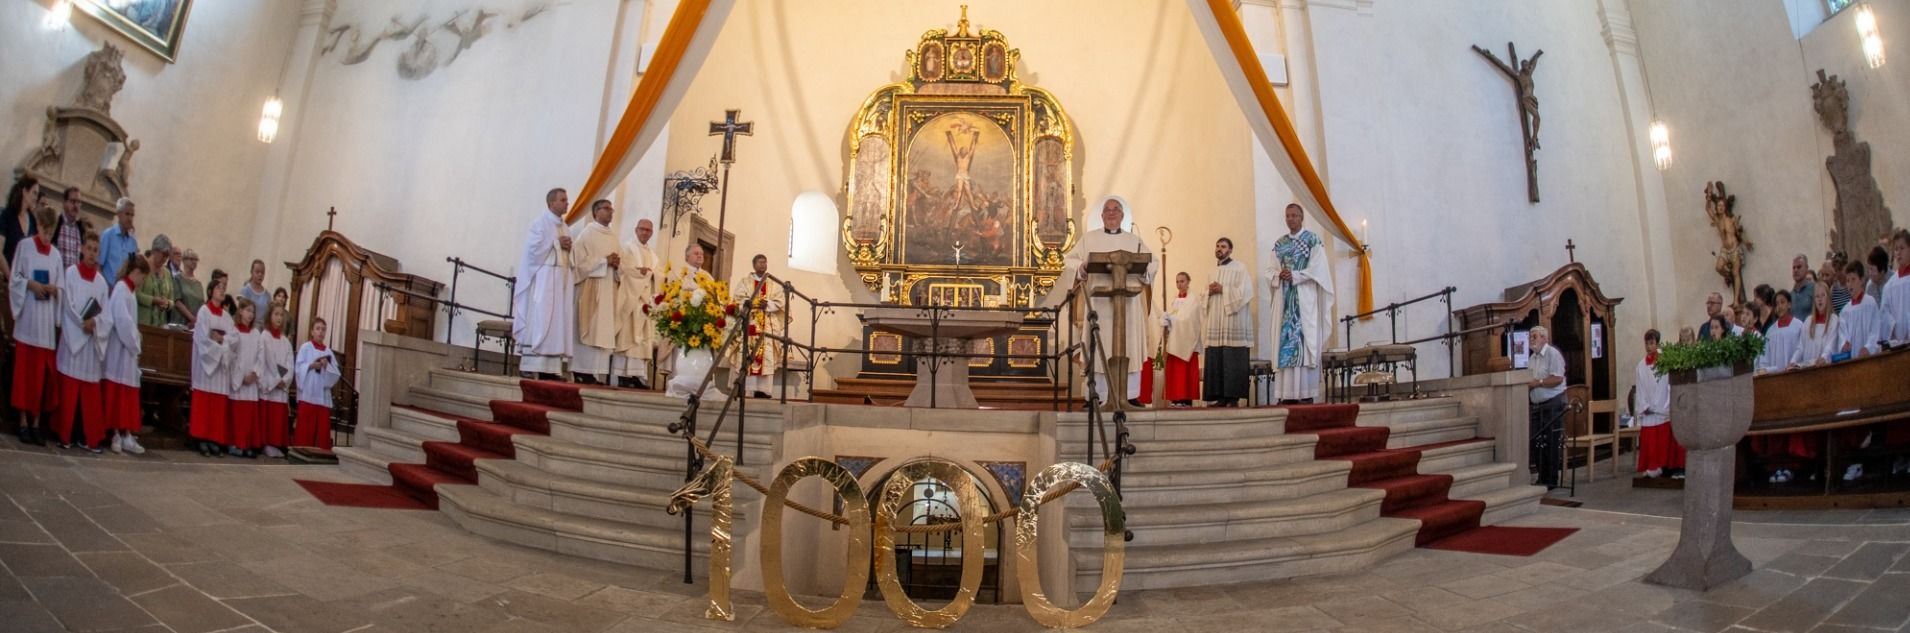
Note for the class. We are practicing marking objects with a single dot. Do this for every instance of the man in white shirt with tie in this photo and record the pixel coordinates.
(1548, 406)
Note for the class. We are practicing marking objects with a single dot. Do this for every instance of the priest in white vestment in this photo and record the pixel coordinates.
(766, 317)
(595, 255)
(1301, 277)
(542, 310)
(636, 292)
(1111, 237)
(1228, 330)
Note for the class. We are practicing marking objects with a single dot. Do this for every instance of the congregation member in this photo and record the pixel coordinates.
(1820, 332)
(192, 293)
(636, 291)
(33, 295)
(84, 328)
(595, 255)
(1783, 340)
(274, 415)
(1547, 395)
(1830, 273)
(72, 229)
(121, 384)
(1880, 269)
(1181, 345)
(158, 292)
(1762, 309)
(212, 360)
(317, 371)
(254, 290)
(118, 242)
(1111, 237)
(1895, 297)
(1801, 287)
(765, 317)
(1228, 328)
(20, 220)
(1713, 310)
(1303, 300)
(1861, 324)
(541, 300)
(1659, 453)
(247, 358)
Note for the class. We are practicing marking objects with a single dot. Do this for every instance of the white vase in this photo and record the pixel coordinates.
(691, 367)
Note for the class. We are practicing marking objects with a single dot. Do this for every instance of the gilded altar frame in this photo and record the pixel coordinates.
(1022, 230)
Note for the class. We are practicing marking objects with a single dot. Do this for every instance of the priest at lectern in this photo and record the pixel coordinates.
(1110, 237)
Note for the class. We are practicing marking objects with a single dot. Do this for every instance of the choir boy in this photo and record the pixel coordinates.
(1861, 324)
(274, 413)
(1658, 450)
(212, 372)
(33, 292)
(1782, 339)
(317, 371)
(122, 358)
(84, 326)
(248, 354)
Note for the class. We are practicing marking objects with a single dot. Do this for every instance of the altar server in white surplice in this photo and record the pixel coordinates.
(1229, 328)
(34, 296)
(542, 308)
(121, 384)
(1860, 325)
(1783, 340)
(595, 256)
(1111, 237)
(1302, 281)
(85, 326)
(636, 293)
(1896, 291)
(1820, 331)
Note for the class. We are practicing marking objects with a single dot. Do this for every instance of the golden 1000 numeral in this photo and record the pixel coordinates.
(714, 482)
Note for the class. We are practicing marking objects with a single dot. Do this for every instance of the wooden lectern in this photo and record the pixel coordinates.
(1126, 269)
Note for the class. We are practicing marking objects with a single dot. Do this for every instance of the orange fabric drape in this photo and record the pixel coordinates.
(643, 103)
(1236, 36)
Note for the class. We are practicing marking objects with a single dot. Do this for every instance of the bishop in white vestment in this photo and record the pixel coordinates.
(543, 313)
(595, 255)
(636, 293)
(1302, 281)
(1110, 237)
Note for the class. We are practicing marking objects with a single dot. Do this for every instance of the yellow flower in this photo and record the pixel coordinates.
(709, 330)
(695, 341)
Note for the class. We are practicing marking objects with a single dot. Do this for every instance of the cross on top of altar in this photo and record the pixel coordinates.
(729, 128)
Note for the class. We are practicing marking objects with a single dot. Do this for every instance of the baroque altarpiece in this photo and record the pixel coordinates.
(960, 192)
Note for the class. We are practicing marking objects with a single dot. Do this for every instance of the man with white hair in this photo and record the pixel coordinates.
(1111, 237)
(1548, 406)
(117, 242)
(636, 289)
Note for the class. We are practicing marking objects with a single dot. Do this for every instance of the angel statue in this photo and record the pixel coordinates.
(1732, 246)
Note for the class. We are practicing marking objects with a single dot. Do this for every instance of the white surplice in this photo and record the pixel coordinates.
(1184, 324)
(1781, 345)
(636, 290)
(543, 314)
(248, 357)
(1818, 342)
(82, 356)
(1135, 330)
(1653, 404)
(596, 292)
(212, 360)
(314, 384)
(122, 347)
(276, 379)
(1860, 326)
(35, 320)
(1896, 307)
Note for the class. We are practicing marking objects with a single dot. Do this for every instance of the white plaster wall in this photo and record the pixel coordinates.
(195, 174)
(1879, 99)
(457, 163)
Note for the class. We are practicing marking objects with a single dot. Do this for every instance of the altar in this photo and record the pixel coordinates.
(942, 381)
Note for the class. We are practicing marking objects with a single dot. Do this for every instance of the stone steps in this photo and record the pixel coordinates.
(1408, 434)
(484, 513)
(1237, 561)
(1184, 424)
(1234, 521)
(1443, 459)
(652, 438)
(1181, 455)
(1193, 487)
(364, 464)
(531, 487)
(1400, 411)
(453, 402)
(424, 424)
(482, 386)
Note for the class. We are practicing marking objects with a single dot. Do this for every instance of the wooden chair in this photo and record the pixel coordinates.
(1578, 430)
(1621, 433)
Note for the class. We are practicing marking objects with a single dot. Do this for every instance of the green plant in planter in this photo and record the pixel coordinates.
(1730, 351)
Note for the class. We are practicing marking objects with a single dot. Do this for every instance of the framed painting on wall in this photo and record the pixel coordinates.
(157, 25)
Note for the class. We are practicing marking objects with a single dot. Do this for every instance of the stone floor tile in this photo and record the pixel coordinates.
(128, 572)
(559, 586)
(1822, 547)
(1349, 609)
(1541, 572)
(75, 531)
(636, 602)
(1755, 590)
(41, 560)
(238, 542)
(166, 549)
(299, 614)
(1425, 599)
(120, 518)
(381, 564)
(186, 610)
(1868, 562)
(1540, 597)
(23, 531)
(318, 578)
(1639, 599)
(1885, 604)
(520, 625)
(27, 616)
(1284, 619)
(221, 579)
(451, 585)
(1575, 618)
(11, 589)
(1480, 587)
(1802, 565)
(485, 570)
(403, 609)
(86, 604)
(1467, 614)
(1702, 617)
(531, 606)
(1806, 607)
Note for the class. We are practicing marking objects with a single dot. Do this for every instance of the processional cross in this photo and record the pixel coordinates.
(728, 128)
(1520, 72)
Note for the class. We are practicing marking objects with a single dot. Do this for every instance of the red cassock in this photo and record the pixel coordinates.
(1659, 449)
(83, 400)
(211, 417)
(32, 378)
(314, 426)
(245, 424)
(1182, 377)
(274, 423)
(122, 406)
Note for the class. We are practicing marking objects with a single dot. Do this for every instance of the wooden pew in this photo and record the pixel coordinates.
(165, 367)
(1833, 401)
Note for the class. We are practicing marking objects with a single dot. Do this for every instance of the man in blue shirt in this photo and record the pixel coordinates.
(117, 242)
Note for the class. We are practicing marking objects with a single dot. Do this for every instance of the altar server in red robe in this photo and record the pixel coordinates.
(84, 326)
(122, 359)
(274, 420)
(1658, 450)
(248, 353)
(1184, 323)
(212, 372)
(317, 371)
(33, 292)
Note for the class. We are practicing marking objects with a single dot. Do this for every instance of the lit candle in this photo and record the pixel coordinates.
(1363, 232)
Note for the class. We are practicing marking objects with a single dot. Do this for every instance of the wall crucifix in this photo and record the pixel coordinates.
(1520, 72)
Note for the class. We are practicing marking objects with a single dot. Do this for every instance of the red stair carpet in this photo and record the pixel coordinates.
(1409, 494)
(1504, 541)
(456, 462)
(361, 495)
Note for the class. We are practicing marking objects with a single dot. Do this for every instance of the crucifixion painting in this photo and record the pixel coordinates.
(1520, 72)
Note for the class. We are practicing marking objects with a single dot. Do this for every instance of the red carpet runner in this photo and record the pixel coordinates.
(456, 462)
(1409, 494)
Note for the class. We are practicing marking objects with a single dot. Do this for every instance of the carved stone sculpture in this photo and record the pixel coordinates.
(1732, 246)
(105, 75)
(82, 146)
(1861, 216)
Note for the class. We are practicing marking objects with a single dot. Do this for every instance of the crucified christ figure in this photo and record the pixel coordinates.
(1522, 84)
(963, 196)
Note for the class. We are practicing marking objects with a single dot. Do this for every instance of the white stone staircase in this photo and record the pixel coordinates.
(1217, 496)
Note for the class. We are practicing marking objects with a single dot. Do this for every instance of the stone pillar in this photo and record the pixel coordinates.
(294, 82)
(1654, 214)
(1708, 418)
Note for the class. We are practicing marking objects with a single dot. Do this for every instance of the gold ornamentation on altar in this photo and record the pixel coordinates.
(960, 151)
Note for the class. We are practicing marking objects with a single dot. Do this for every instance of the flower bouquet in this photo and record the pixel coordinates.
(692, 313)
